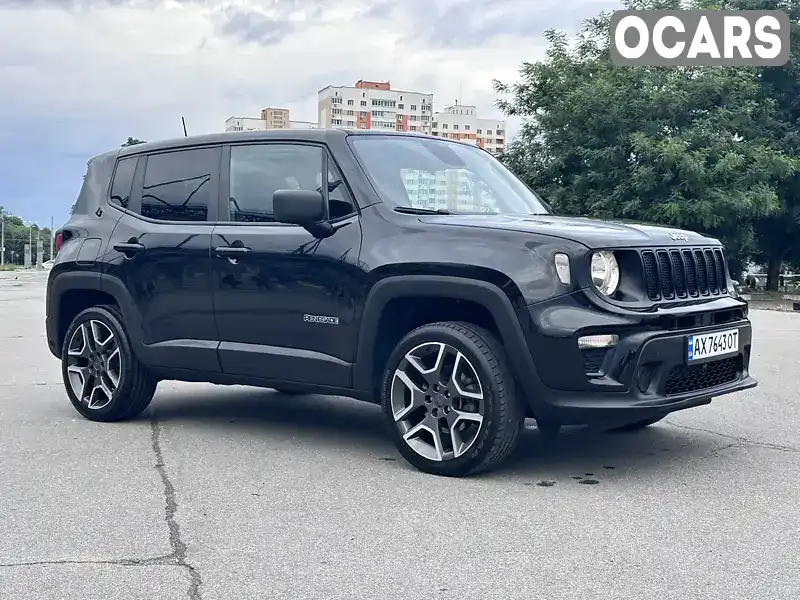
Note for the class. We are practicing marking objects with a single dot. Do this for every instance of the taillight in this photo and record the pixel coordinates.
(59, 239)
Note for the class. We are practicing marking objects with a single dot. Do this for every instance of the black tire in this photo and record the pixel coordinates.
(503, 417)
(636, 426)
(136, 385)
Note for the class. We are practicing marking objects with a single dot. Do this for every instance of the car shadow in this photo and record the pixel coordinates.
(579, 454)
(269, 412)
(590, 456)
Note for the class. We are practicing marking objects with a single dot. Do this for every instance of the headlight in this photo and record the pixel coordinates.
(605, 272)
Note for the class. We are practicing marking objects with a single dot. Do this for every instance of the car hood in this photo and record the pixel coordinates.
(593, 233)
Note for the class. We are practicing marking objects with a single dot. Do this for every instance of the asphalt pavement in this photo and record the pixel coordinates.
(233, 493)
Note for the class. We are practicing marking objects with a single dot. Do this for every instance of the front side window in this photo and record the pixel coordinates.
(258, 171)
(177, 185)
(435, 174)
(123, 181)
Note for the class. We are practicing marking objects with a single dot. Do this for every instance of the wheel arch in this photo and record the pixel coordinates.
(70, 292)
(444, 297)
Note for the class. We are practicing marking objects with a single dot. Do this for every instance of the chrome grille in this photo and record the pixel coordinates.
(683, 273)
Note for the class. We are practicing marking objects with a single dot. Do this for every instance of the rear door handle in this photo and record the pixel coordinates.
(128, 247)
(225, 251)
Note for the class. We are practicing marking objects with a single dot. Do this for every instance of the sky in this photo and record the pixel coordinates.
(77, 77)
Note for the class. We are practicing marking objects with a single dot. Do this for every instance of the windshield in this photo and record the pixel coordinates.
(431, 174)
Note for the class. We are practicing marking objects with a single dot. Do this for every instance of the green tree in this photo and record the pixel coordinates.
(777, 235)
(131, 141)
(687, 147)
(17, 234)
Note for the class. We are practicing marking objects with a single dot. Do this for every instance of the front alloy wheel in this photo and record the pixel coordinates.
(449, 399)
(94, 364)
(437, 401)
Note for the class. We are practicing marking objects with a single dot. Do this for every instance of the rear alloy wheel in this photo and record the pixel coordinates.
(94, 364)
(450, 401)
(103, 378)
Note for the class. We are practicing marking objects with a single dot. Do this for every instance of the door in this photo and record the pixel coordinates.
(284, 300)
(160, 252)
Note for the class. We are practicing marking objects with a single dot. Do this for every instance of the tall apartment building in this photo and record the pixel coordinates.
(271, 118)
(460, 122)
(276, 118)
(374, 105)
(454, 189)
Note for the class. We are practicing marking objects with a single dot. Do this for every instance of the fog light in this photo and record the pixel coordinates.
(597, 341)
(643, 379)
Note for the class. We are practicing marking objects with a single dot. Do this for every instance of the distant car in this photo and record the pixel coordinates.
(48, 264)
(422, 276)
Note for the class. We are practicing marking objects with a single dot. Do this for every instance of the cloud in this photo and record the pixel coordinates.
(80, 76)
(252, 26)
(471, 23)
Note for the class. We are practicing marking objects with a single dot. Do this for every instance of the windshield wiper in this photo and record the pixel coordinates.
(411, 210)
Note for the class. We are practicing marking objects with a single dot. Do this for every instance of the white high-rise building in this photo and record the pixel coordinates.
(374, 105)
(452, 189)
(271, 118)
(460, 122)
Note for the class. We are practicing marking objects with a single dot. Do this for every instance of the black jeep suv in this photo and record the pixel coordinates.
(406, 270)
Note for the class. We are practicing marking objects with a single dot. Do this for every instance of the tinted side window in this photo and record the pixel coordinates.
(123, 181)
(258, 170)
(177, 185)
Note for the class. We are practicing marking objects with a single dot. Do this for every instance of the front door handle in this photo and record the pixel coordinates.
(231, 251)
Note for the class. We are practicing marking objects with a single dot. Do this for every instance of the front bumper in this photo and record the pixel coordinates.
(645, 375)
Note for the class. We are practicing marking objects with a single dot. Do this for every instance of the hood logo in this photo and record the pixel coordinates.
(679, 236)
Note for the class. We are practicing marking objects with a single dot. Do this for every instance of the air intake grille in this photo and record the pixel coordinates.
(683, 273)
(692, 378)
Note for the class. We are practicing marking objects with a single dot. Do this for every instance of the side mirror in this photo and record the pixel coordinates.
(299, 207)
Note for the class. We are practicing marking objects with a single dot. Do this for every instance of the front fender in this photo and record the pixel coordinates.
(486, 294)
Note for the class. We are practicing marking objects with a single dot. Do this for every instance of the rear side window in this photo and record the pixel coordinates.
(177, 185)
(123, 182)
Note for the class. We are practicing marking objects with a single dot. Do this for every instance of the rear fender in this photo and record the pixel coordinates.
(61, 283)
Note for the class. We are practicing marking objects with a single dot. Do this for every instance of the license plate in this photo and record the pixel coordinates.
(708, 345)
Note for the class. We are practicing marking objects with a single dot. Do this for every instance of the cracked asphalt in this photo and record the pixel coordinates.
(233, 493)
